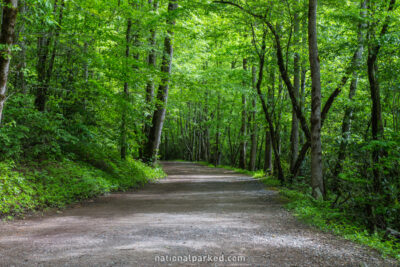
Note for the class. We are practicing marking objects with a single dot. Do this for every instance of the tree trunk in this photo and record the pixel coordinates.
(268, 144)
(268, 153)
(294, 136)
(253, 150)
(125, 94)
(44, 66)
(304, 70)
(153, 143)
(324, 113)
(20, 81)
(243, 129)
(272, 134)
(376, 113)
(260, 150)
(317, 179)
(152, 62)
(348, 114)
(10, 11)
(217, 134)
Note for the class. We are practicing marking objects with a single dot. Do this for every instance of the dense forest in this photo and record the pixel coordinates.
(93, 93)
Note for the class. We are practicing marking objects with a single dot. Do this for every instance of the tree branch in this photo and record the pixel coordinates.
(240, 7)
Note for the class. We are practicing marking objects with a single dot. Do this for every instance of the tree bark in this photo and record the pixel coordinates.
(10, 11)
(152, 63)
(317, 179)
(253, 150)
(20, 80)
(268, 144)
(348, 114)
(377, 128)
(44, 65)
(272, 134)
(294, 136)
(243, 129)
(217, 134)
(123, 142)
(153, 143)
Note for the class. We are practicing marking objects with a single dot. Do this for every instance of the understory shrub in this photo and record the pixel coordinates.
(55, 184)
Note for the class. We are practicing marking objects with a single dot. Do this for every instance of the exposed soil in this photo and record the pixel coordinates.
(197, 211)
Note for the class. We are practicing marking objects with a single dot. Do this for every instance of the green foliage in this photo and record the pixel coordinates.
(338, 221)
(269, 181)
(16, 192)
(255, 174)
(30, 134)
(321, 214)
(71, 150)
(56, 184)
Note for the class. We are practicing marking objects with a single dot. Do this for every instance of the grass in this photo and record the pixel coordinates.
(321, 215)
(37, 186)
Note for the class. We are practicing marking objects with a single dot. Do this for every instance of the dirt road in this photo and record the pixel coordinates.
(194, 215)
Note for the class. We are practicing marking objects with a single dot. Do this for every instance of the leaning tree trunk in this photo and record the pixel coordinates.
(10, 11)
(153, 142)
(268, 116)
(317, 179)
(294, 136)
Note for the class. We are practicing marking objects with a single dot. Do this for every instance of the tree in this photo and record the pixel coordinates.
(125, 93)
(153, 142)
(152, 62)
(10, 11)
(377, 128)
(45, 61)
(348, 115)
(243, 128)
(317, 179)
(294, 137)
(253, 124)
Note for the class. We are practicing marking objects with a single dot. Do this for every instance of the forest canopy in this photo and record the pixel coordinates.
(306, 91)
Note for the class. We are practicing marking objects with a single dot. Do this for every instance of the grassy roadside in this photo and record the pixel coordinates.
(55, 184)
(321, 215)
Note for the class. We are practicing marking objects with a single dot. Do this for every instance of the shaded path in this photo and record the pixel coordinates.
(195, 211)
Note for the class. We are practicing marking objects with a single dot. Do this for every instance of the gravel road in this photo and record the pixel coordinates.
(197, 216)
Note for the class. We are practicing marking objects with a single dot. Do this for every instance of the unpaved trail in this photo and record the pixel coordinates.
(196, 211)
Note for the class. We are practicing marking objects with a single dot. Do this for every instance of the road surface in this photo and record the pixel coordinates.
(197, 216)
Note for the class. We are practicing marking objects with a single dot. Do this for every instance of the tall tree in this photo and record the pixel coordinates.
(377, 127)
(268, 144)
(348, 114)
(152, 62)
(294, 137)
(45, 61)
(243, 128)
(10, 11)
(267, 114)
(153, 142)
(317, 179)
(124, 146)
(253, 124)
